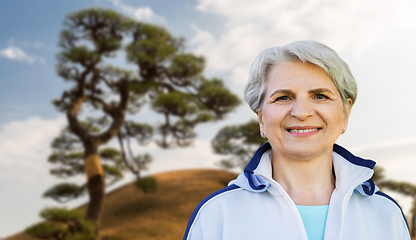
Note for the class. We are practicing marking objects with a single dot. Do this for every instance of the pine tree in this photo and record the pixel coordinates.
(166, 79)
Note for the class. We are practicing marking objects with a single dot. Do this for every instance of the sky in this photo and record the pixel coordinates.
(374, 37)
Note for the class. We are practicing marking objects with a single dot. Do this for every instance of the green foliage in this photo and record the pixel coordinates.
(64, 192)
(79, 54)
(239, 141)
(102, 27)
(110, 154)
(48, 231)
(147, 184)
(112, 174)
(405, 188)
(61, 214)
(378, 175)
(185, 66)
(62, 224)
(142, 132)
(71, 164)
(66, 141)
(142, 161)
(174, 103)
(215, 96)
(152, 45)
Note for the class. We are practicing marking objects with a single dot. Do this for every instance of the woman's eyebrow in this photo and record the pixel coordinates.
(321, 90)
(281, 91)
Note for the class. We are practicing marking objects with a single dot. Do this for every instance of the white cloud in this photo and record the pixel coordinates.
(346, 26)
(24, 170)
(144, 14)
(16, 54)
(25, 148)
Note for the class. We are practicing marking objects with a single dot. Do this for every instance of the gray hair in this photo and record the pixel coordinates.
(300, 51)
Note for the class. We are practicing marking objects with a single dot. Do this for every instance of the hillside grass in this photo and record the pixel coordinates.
(131, 214)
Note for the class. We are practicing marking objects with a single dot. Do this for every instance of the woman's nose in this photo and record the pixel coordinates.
(301, 109)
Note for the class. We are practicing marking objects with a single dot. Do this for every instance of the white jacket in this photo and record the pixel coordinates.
(254, 206)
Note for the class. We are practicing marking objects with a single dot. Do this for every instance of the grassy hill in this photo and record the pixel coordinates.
(134, 215)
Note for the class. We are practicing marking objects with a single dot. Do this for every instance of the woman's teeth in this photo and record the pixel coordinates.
(303, 130)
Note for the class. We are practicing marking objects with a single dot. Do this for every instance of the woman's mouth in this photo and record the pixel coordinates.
(303, 131)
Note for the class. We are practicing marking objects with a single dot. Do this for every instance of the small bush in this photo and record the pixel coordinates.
(48, 231)
(62, 224)
(147, 184)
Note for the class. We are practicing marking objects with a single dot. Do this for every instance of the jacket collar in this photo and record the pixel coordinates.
(351, 172)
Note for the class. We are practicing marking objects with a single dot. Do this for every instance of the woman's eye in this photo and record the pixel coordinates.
(321, 97)
(282, 98)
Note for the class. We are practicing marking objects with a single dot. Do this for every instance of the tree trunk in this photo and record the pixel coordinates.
(96, 186)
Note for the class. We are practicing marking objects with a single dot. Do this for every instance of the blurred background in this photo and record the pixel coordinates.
(375, 38)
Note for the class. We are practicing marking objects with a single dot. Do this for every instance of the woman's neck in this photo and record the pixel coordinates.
(308, 182)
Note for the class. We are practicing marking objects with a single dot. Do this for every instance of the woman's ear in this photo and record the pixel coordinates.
(260, 117)
(347, 111)
(348, 107)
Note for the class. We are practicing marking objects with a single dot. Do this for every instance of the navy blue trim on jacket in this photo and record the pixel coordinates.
(369, 187)
(212, 195)
(254, 162)
(353, 159)
(254, 183)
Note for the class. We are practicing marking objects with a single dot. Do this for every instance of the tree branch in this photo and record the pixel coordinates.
(123, 155)
(73, 122)
(110, 110)
(118, 114)
(106, 82)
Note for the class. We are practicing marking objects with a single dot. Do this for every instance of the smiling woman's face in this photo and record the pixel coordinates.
(303, 113)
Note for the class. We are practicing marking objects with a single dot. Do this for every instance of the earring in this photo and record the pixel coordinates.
(343, 131)
(262, 135)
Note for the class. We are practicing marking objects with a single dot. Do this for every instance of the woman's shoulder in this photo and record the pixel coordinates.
(379, 214)
(210, 205)
(383, 200)
(221, 196)
(232, 208)
(378, 206)
(377, 200)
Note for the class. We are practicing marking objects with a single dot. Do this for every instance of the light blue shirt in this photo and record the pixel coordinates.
(314, 220)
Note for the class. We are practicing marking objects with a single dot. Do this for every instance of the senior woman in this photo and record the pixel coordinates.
(300, 185)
